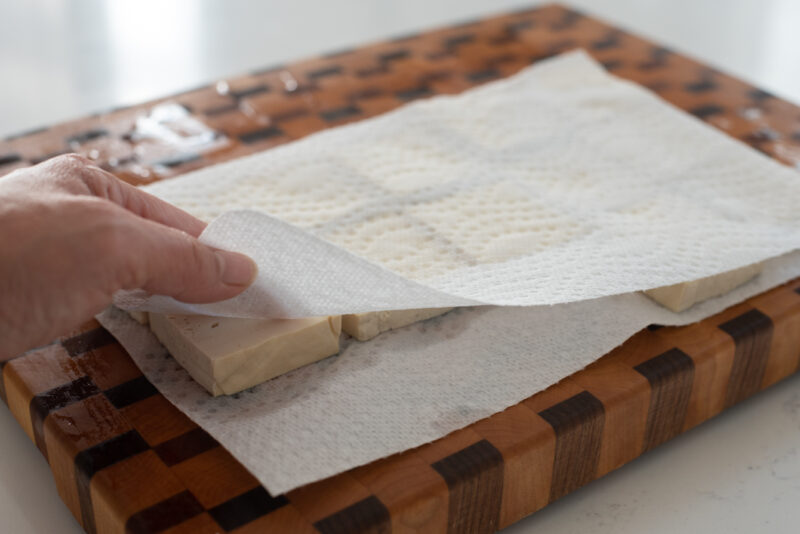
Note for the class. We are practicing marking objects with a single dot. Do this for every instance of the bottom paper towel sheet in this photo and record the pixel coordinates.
(409, 386)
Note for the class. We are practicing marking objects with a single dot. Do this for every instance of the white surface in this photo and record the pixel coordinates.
(29, 502)
(739, 473)
(61, 60)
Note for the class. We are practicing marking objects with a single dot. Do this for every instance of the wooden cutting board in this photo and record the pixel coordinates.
(125, 460)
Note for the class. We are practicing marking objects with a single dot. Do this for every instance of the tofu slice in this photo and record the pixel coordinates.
(679, 297)
(140, 317)
(365, 326)
(228, 355)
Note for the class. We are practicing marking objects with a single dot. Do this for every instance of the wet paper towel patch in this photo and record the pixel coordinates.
(559, 184)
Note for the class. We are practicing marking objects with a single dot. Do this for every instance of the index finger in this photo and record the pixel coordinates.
(105, 185)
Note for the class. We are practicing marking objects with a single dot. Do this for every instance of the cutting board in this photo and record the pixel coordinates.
(125, 460)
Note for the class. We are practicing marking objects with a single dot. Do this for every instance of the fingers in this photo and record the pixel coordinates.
(149, 243)
(150, 207)
(166, 261)
(75, 174)
(105, 185)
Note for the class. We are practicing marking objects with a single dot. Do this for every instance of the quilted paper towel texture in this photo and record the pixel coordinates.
(559, 184)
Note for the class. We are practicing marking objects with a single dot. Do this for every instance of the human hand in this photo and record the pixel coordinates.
(71, 235)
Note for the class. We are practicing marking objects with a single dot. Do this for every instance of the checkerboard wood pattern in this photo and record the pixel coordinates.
(125, 460)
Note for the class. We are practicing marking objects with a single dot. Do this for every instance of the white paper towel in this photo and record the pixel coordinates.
(408, 386)
(561, 183)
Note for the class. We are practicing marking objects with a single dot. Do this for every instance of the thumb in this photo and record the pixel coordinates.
(166, 261)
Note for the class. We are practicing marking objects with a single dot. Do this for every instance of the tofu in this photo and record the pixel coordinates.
(365, 326)
(229, 355)
(140, 317)
(679, 297)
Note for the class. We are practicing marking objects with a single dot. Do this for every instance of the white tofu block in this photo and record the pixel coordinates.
(364, 326)
(679, 297)
(228, 355)
(139, 316)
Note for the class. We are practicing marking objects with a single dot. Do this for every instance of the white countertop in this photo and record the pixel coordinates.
(59, 60)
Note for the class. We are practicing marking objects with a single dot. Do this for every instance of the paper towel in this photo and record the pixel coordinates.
(556, 186)
(408, 386)
(561, 183)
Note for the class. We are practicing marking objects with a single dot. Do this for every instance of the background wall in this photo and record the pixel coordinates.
(62, 59)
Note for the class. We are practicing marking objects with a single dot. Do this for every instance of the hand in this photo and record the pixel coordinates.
(71, 235)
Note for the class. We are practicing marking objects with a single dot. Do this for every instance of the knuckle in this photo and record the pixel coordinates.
(69, 172)
(96, 181)
(78, 158)
(73, 159)
(69, 161)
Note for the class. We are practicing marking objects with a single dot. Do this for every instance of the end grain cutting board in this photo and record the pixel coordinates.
(125, 460)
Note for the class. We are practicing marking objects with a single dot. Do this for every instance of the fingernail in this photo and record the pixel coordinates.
(238, 269)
